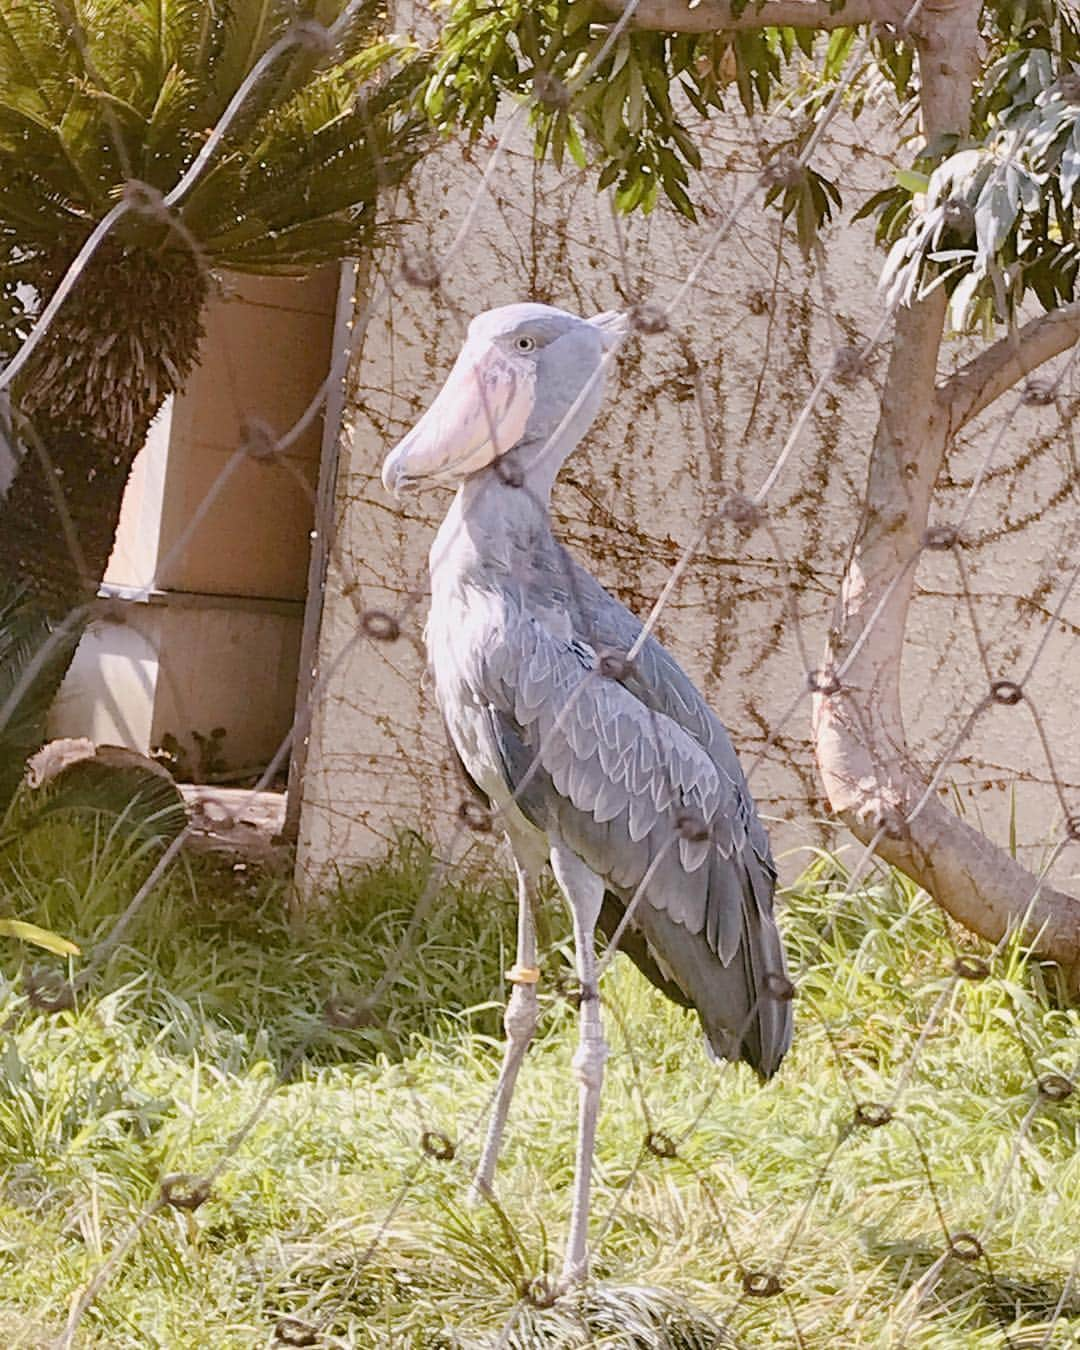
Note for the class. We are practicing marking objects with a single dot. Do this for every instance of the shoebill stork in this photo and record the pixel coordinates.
(613, 770)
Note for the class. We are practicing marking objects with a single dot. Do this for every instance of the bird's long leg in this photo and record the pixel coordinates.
(585, 893)
(520, 1023)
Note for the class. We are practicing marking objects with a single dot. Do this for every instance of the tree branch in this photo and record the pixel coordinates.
(711, 16)
(994, 372)
(867, 767)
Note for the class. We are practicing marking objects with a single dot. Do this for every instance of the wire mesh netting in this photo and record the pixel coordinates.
(717, 495)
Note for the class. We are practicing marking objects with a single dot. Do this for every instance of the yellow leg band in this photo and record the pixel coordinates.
(523, 974)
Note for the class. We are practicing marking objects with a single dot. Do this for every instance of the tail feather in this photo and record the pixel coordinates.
(744, 1014)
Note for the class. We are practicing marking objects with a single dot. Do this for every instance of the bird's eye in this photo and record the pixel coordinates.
(524, 343)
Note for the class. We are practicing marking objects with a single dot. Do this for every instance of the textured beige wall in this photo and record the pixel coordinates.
(635, 491)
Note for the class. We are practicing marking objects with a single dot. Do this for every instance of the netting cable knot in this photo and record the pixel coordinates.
(777, 986)
(965, 1247)
(111, 609)
(738, 508)
(379, 625)
(891, 822)
(872, 1115)
(258, 439)
(1072, 827)
(691, 827)
(420, 270)
(824, 682)
(1038, 391)
(291, 1331)
(568, 989)
(48, 991)
(144, 198)
(509, 471)
(312, 35)
(785, 170)
(475, 816)
(941, 537)
(211, 814)
(437, 1145)
(549, 90)
(958, 215)
(181, 1191)
(347, 1016)
(1069, 84)
(761, 1284)
(648, 318)
(614, 665)
(971, 968)
(849, 364)
(1054, 1087)
(1006, 692)
(661, 1145)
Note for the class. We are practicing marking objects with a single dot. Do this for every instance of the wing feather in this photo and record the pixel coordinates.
(610, 772)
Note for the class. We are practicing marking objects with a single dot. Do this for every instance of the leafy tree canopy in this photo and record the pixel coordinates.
(98, 94)
(992, 217)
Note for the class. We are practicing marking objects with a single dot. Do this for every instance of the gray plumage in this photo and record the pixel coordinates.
(615, 772)
(620, 764)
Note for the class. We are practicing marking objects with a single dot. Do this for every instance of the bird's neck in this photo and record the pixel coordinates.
(496, 528)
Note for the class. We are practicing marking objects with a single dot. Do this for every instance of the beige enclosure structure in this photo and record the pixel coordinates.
(210, 566)
(752, 329)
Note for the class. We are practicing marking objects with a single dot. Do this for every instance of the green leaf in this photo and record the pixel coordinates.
(806, 221)
(677, 195)
(635, 107)
(574, 145)
(837, 52)
(1070, 165)
(40, 937)
(608, 174)
(960, 302)
(911, 181)
(995, 214)
(687, 147)
(875, 203)
(630, 192)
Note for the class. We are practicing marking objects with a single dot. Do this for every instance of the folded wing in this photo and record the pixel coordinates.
(646, 805)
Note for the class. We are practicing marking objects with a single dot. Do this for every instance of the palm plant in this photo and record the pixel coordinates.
(105, 106)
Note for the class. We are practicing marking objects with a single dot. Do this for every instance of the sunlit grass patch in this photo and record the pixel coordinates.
(329, 1210)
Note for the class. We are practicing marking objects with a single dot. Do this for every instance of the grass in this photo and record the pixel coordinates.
(329, 1211)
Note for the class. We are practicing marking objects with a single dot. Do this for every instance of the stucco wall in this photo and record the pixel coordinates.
(759, 329)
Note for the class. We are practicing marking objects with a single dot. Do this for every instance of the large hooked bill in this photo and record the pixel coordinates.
(480, 413)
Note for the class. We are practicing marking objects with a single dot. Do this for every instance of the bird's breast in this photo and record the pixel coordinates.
(463, 625)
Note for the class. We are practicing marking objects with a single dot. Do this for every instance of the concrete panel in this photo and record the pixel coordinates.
(232, 668)
(108, 692)
(197, 531)
(134, 557)
(252, 521)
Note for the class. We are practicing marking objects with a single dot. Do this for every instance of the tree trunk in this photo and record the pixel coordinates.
(126, 337)
(862, 752)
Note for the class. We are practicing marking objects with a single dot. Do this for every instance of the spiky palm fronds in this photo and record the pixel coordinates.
(95, 94)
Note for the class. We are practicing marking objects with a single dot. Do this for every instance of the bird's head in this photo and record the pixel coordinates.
(528, 375)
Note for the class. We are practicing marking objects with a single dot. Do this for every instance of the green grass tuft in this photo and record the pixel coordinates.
(330, 1212)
